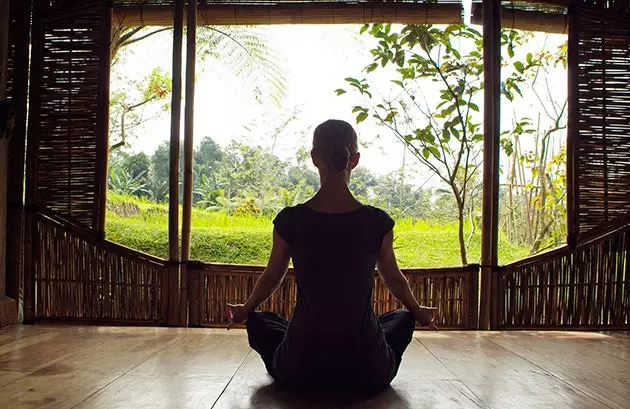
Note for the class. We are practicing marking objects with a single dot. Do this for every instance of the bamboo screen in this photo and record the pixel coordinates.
(67, 99)
(602, 149)
(452, 290)
(251, 12)
(587, 287)
(78, 277)
(529, 16)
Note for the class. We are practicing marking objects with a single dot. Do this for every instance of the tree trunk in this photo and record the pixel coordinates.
(460, 226)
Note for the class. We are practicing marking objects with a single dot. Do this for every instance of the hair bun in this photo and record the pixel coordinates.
(339, 159)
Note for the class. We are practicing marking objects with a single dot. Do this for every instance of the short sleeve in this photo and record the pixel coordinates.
(385, 225)
(282, 223)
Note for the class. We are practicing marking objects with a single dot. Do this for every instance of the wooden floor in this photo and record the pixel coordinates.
(113, 367)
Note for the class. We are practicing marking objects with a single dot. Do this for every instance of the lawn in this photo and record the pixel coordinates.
(218, 237)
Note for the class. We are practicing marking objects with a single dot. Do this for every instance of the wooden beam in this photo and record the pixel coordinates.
(572, 129)
(172, 294)
(299, 13)
(492, 132)
(102, 120)
(528, 20)
(189, 123)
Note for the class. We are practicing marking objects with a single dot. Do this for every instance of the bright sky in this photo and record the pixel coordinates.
(316, 59)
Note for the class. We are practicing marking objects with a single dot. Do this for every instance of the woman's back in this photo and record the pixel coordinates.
(333, 340)
(334, 256)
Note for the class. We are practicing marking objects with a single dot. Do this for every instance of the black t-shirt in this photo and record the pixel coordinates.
(334, 336)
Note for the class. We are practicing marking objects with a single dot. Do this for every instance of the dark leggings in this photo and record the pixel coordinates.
(266, 330)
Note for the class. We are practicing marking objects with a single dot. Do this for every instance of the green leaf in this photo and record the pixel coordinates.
(364, 28)
(371, 67)
(510, 50)
(474, 107)
(390, 116)
(435, 152)
(340, 91)
(519, 66)
(362, 117)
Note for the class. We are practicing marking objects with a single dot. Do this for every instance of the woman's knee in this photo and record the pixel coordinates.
(405, 319)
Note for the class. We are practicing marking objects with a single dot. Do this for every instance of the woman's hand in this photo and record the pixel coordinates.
(426, 317)
(237, 313)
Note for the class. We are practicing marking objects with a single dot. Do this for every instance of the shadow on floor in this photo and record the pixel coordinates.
(272, 396)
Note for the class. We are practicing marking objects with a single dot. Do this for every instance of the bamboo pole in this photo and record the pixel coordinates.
(572, 129)
(300, 13)
(8, 306)
(528, 20)
(30, 220)
(102, 120)
(172, 293)
(20, 33)
(189, 118)
(492, 81)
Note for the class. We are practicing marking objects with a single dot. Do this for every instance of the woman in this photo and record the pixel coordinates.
(334, 340)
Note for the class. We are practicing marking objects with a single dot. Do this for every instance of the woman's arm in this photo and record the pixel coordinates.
(268, 281)
(399, 285)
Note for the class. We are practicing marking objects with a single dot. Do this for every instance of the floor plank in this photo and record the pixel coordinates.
(157, 392)
(59, 367)
(471, 355)
(566, 358)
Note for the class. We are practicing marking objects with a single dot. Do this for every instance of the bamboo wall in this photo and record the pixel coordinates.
(67, 111)
(600, 132)
(452, 290)
(587, 287)
(79, 277)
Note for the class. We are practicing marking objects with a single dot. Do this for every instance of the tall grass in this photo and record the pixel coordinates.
(219, 237)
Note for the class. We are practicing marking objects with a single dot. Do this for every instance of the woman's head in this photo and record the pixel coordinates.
(335, 147)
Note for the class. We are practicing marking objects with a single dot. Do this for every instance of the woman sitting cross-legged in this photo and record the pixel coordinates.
(334, 340)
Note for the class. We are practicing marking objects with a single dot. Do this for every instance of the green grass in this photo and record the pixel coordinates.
(217, 237)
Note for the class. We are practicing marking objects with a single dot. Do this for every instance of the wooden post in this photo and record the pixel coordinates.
(30, 219)
(572, 128)
(492, 131)
(20, 34)
(8, 306)
(189, 119)
(102, 120)
(173, 198)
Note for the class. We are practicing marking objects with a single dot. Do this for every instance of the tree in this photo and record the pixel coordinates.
(445, 137)
(362, 183)
(126, 104)
(401, 199)
(243, 50)
(534, 202)
(207, 155)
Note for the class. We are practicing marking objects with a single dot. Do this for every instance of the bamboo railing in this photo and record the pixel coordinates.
(79, 277)
(587, 287)
(211, 286)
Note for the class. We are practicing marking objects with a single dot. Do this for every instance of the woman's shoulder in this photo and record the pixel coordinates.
(378, 211)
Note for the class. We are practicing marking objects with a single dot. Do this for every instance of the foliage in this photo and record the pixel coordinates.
(126, 114)
(220, 237)
(447, 137)
(245, 51)
(533, 210)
